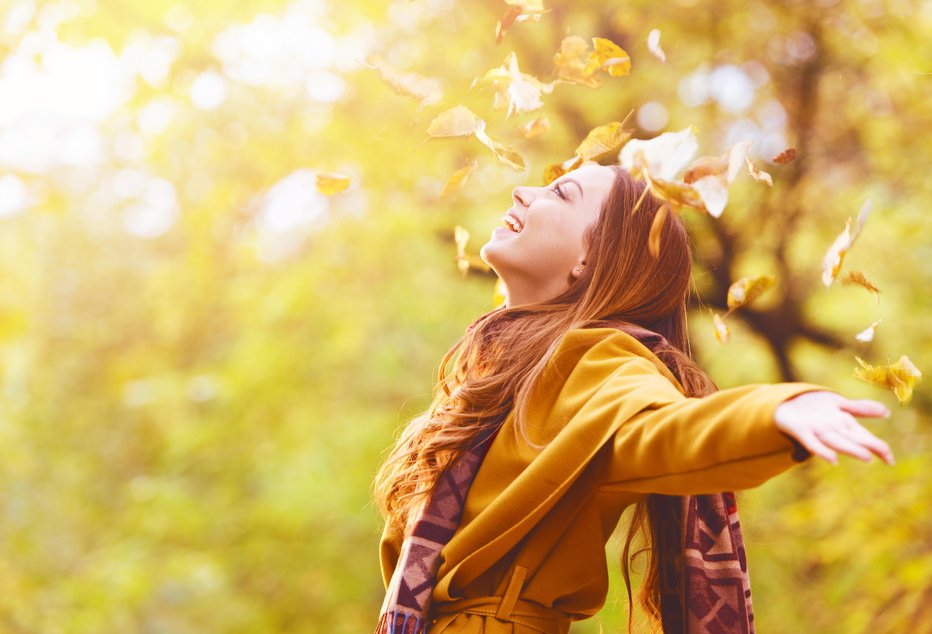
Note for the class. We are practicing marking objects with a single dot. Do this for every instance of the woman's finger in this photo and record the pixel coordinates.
(864, 407)
(816, 446)
(838, 441)
(869, 440)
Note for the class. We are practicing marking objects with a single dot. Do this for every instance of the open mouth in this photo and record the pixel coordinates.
(512, 223)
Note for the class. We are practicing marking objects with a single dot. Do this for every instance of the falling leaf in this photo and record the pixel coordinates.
(427, 91)
(868, 334)
(656, 228)
(458, 179)
(856, 277)
(603, 142)
(461, 237)
(758, 175)
(554, 171)
(535, 128)
(831, 265)
(457, 121)
(710, 176)
(519, 91)
(785, 156)
(601, 145)
(747, 289)
(570, 61)
(714, 194)
(503, 153)
(506, 21)
(721, 330)
(727, 165)
(663, 156)
(607, 56)
(653, 45)
(461, 121)
(575, 63)
(678, 194)
(899, 377)
(330, 184)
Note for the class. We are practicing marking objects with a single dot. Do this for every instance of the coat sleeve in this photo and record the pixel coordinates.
(678, 445)
(389, 551)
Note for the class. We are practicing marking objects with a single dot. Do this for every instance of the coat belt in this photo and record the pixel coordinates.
(509, 607)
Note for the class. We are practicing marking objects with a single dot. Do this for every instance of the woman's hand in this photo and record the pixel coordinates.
(824, 421)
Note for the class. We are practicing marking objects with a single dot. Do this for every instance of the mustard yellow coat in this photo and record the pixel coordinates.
(529, 554)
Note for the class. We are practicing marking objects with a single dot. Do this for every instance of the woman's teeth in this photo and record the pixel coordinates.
(511, 223)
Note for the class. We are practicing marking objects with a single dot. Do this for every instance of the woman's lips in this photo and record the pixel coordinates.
(503, 231)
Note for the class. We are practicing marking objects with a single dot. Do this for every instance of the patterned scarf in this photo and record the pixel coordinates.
(407, 599)
(715, 582)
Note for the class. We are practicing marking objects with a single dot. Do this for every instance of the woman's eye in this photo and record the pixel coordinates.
(558, 191)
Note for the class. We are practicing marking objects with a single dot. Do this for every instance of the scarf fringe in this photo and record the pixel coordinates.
(392, 623)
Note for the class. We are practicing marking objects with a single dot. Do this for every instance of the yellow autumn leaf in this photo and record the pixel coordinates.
(461, 121)
(603, 142)
(900, 377)
(458, 179)
(710, 176)
(518, 91)
(575, 63)
(856, 277)
(653, 45)
(570, 62)
(747, 289)
(759, 175)
(721, 330)
(607, 56)
(552, 172)
(678, 194)
(867, 334)
(330, 184)
(726, 166)
(835, 255)
(427, 91)
(656, 229)
(507, 155)
(535, 128)
(457, 121)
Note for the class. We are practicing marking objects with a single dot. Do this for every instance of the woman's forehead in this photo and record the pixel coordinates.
(592, 176)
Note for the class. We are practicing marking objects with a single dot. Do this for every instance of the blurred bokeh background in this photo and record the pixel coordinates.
(203, 357)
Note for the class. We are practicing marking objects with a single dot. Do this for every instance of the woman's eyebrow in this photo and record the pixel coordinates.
(570, 180)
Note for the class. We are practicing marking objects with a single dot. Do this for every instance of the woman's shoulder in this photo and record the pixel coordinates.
(603, 346)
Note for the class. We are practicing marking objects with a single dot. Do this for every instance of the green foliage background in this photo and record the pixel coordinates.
(190, 427)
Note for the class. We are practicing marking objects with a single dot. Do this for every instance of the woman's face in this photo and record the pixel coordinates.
(542, 258)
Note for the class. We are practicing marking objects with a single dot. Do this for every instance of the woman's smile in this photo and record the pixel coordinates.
(504, 232)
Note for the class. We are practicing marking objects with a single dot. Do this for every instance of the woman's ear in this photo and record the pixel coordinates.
(578, 269)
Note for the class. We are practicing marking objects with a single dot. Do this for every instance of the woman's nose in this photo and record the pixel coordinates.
(521, 195)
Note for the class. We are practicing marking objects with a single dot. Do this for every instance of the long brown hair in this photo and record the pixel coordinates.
(497, 361)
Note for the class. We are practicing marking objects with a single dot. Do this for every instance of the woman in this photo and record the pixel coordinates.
(573, 401)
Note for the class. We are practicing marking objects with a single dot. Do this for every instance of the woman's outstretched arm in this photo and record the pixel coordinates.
(731, 439)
